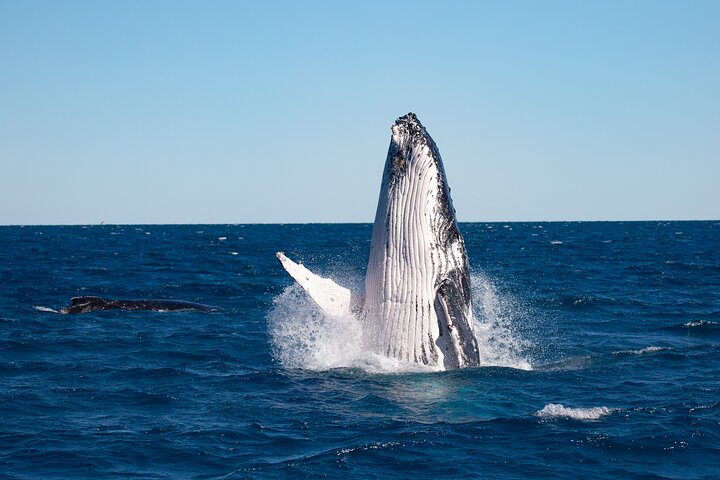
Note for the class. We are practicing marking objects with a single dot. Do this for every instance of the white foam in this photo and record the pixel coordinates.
(556, 410)
(642, 351)
(372, 446)
(556, 242)
(302, 337)
(650, 349)
(699, 323)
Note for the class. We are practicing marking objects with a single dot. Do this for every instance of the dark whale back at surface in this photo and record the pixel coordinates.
(94, 304)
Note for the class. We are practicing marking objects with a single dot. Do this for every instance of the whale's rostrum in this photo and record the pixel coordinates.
(417, 302)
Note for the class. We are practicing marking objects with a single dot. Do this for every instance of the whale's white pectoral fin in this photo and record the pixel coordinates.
(330, 297)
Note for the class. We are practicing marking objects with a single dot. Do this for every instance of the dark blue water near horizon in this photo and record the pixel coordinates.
(602, 342)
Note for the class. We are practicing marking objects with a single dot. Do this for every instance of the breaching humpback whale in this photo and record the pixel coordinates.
(94, 304)
(417, 302)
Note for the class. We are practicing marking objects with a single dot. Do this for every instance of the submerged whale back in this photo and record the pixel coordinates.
(417, 287)
(88, 304)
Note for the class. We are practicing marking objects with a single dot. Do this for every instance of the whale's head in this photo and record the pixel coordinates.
(85, 305)
(415, 174)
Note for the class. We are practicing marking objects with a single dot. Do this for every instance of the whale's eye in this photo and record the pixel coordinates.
(398, 162)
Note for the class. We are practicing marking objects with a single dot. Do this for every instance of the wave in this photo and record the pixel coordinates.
(556, 410)
(303, 338)
(642, 351)
(367, 447)
(695, 327)
(566, 364)
(701, 323)
(584, 361)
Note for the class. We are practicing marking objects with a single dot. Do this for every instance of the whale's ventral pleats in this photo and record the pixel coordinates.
(416, 306)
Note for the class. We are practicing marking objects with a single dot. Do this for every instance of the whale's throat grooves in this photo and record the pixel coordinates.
(417, 287)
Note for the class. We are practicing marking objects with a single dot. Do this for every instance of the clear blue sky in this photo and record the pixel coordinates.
(234, 112)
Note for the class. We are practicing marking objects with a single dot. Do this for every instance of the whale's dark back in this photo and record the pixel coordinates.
(94, 304)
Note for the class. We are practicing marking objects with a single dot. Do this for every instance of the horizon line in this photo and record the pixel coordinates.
(101, 224)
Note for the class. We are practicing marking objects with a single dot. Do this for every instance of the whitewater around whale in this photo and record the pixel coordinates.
(416, 307)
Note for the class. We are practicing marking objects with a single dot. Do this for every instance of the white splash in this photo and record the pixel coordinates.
(495, 318)
(302, 337)
(556, 410)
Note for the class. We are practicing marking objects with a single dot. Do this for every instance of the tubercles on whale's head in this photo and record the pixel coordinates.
(409, 140)
(413, 150)
(408, 129)
(84, 304)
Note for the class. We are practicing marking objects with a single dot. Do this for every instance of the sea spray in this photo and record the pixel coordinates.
(302, 337)
(496, 318)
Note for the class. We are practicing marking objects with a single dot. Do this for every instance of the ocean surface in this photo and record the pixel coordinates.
(600, 344)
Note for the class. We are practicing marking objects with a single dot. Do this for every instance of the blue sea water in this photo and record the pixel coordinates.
(601, 344)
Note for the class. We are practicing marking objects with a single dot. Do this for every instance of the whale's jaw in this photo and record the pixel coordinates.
(417, 287)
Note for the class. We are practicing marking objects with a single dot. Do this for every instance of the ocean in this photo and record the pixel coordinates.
(600, 345)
